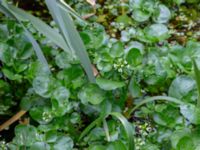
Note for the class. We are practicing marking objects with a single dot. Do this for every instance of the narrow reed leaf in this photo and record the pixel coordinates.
(128, 129)
(41, 26)
(92, 125)
(197, 77)
(105, 126)
(154, 98)
(62, 4)
(71, 36)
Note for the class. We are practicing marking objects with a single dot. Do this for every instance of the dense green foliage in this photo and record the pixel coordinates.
(145, 94)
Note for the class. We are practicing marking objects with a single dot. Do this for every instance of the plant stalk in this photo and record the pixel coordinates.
(12, 119)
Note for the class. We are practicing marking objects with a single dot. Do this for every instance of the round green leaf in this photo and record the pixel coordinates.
(186, 143)
(41, 114)
(134, 88)
(60, 100)
(162, 14)
(134, 57)
(40, 146)
(63, 60)
(156, 32)
(63, 143)
(109, 84)
(177, 135)
(7, 54)
(41, 85)
(124, 19)
(25, 135)
(181, 86)
(117, 49)
(191, 113)
(140, 16)
(91, 93)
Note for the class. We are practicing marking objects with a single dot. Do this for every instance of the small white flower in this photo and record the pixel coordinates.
(120, 70)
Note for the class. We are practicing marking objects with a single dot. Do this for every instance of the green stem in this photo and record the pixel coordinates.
(151, 99)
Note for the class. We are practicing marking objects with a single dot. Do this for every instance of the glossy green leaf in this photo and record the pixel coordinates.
(181, 87)
(191, 113)
(124, 19)
(170, 118)
(163, 14)
(7, 54)
(40, 146)
(177, 135)
(25, 135)
(109, 84)
(156, 32)
(60, 101)
(142, 10)
(91, 93)
(140, 15)
(185, 143)
(41, 114)
(117, 49)
(63, 143)
(63, 60)
(42, 86)
(12, 76)
(134, 57)
(134, 88)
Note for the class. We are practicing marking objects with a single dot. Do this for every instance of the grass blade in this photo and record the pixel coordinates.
(151, 99)
(128, 129)
(66, 7)
(92, 125)
(197, 77)
(37, 48)
(6, 12)
(41, 26)
(71, 36)
(105, 126)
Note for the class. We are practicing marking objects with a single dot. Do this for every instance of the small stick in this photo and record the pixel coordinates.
(88, 16)
(12, 120)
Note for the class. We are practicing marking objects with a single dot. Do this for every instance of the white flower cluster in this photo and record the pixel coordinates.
(46, 116)
(3, 145)
(120, 65)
